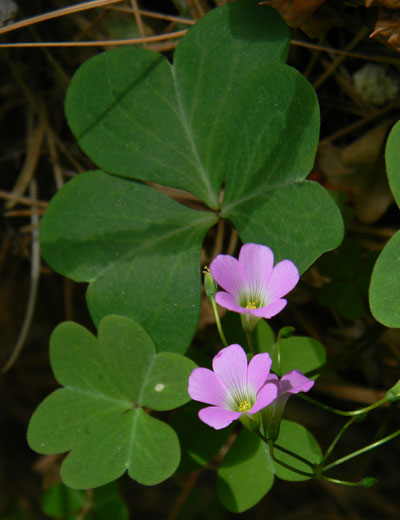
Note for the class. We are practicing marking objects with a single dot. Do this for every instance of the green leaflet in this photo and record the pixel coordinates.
(99, 414)
(226, 109)
(385, 281)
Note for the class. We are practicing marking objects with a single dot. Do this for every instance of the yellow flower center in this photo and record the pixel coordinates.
(251, 306)
(244, 406)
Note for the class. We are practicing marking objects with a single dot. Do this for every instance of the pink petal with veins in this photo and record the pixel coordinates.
(218, 418)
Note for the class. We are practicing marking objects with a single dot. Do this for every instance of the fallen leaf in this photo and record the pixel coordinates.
(359, 169)
(294, 12)
(387, 28)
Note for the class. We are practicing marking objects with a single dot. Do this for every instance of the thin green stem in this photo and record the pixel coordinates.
(294, 455)
(287, 466)
(218, 322)
(249, 336)
(362, 450)
(360, 483)
(278, 356)
(271, 447)
(336, 440)
(360, 411)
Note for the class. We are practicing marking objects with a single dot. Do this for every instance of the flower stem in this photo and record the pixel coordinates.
(336, 440)
(249, 336)
(362, 450)
(218, 322)
(294, 455)
(287, 466)
(360, 483)
(360, 411)
(271, 447)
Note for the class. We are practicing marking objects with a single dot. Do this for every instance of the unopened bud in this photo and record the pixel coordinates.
(394, 393)
(369, 482)
(210, 286)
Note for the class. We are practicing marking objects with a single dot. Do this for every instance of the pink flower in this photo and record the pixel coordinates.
(252, 285)
(232, 387)
(291, 383)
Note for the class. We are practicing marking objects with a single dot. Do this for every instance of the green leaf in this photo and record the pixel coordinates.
(67, 503)
(137, 116)
(297, 353)
(392, 155)
(98, 414)
(298, 439)
(264, 337)
(139, 250)
(246, 473)
(385, 284)
(385, 280)
(273, 136)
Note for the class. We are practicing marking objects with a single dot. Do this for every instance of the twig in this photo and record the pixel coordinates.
(151, 14)
(189, 484)
(138, 18)
(57, 13)
(23, 200)
(380, 59)
(33, 290)
(335, 64)
(361, 122)
(130, 41)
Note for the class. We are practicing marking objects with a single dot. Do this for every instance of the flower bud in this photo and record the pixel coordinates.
(210, 286)
(394, 393)
(369, 482)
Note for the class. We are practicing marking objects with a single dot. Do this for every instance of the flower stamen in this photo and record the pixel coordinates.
(251, 306)
(244, 406)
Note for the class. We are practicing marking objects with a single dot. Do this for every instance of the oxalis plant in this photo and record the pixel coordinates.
(231, 124)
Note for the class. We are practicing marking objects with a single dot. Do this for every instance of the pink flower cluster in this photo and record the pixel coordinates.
(252, 287)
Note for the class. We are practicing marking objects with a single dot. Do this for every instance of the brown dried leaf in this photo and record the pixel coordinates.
(387, 28)
(389, 4)
(359, 169)
(294, 12)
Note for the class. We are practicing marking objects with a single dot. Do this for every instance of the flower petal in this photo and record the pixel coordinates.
(230, 365)
(218, 418)
(295, 382)
(227, 273)
(284, 277)
(270, 310)
(206, 387)
(258, 371)
(228, 302)
(257, 262)
(266, 395)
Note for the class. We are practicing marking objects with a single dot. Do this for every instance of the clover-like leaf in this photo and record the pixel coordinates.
(299, 440)
(217, 113)
(298, 353)
(385, 281)
(99, 415)
(60, 501)
(273, 136)
(139, 249)
(246, 473)
(138, 116)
